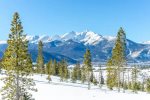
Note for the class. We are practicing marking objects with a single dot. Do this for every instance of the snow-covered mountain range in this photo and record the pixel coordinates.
(88, 37)
(72, 46)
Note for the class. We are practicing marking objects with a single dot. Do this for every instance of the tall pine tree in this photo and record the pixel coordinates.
(76, 73)
(83, 74)
(17, 63)
(56, 68)
(40, 59)
(88, 66)
(135, 73)
(148, 85)
(117, 60)
(78, 68)
(65, 70)
(49, 70)
(101, 78)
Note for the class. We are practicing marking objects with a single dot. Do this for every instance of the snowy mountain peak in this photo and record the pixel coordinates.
(3, 42)
(146, 42)
(68, 36)
(36, 39)
(87, 37)
(44, 38)
(55, 37)
(110, 38)
(91, 38)
(32, 39)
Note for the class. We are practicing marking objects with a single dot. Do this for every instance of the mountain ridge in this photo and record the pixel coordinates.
(72, 46)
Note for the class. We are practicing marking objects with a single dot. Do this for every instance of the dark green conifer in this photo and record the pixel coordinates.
(117, 61)
(49, 70)
(17, 63)
(148, 85)
(40, 59)
(135, 85)
(83, 74)
(88, 66)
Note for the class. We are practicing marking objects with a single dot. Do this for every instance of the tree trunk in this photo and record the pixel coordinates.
(89, 85)
(123, 81)
(118, 79)
(17, 87)
(100, 78)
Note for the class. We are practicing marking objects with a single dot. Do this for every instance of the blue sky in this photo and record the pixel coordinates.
(61, 16)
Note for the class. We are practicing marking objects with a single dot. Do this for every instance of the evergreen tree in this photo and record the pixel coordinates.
(78, 68)
(143, 76)
(117, 60)
(101, 78)
(83, 74)
(27, 97)
(76, 73)
(88, 66)
(130, 85)
(125, 86)
(49, 70)
(55, 68)
(17, 63)
(123, 80)
(148, 85)
(61, 73)
(65, 70)
(95, 81)
(135, 72)
(111, 75)
(40, 59)
(92, 77)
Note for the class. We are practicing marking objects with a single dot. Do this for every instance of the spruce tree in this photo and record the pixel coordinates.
(118, 60)
(91, 77)
(49, 70)
(65, 70)
(61, 73)
(78, 68)
(88, 66)
(148, 85)
(53, 68)
(40, 59)
(123, 81)
(125, 86)
(101, 78)
(17, 63)
(74, 74)
(111, 75)
(83, 74)
(95, 81)
(130, 85)
(135, 72)
(56, 68)
(143, 76)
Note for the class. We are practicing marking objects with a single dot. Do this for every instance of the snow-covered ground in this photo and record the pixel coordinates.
(72, 91)
(57, 90)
